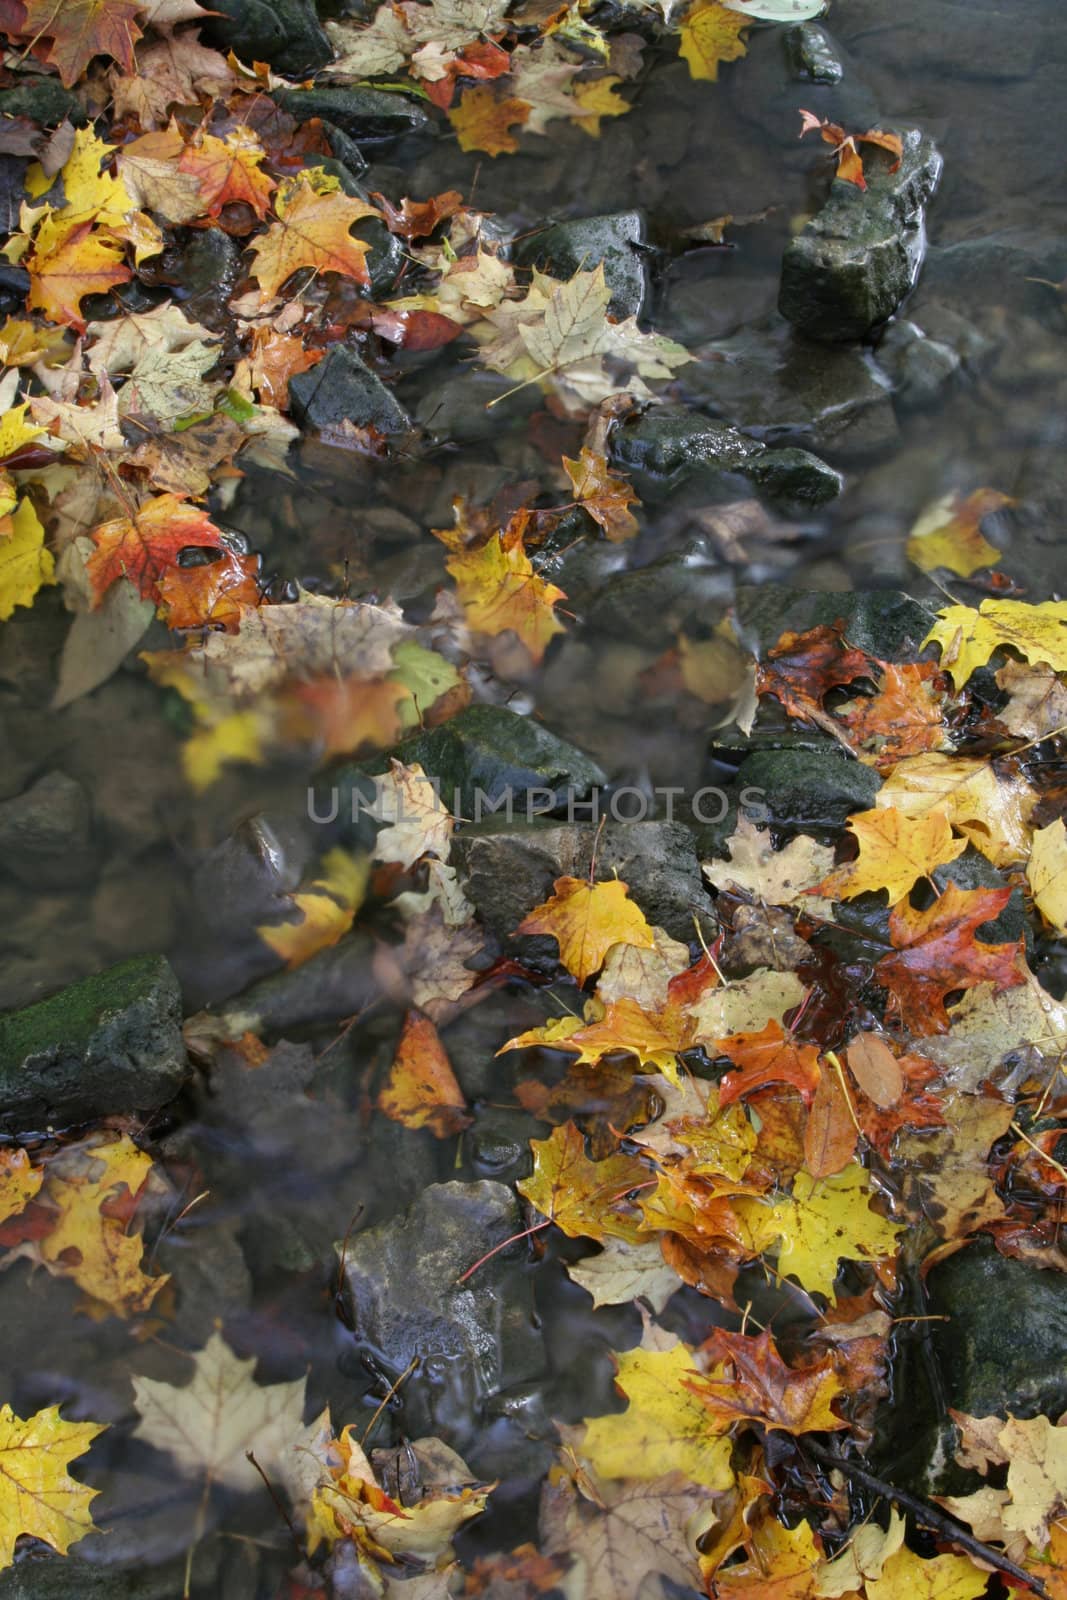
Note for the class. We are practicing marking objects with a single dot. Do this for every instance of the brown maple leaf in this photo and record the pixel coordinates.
(82, 29)
(935, 952)
(802, 669)
(754, 1384)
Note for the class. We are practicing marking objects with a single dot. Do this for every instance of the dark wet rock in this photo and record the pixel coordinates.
(885, 622)
(673, 445)
(44, 100)
(111, 1043)
(285, 33)
(369, 116)
(917, 367)
(995, 268)
(469, 406)
(385, 250)
(807, 789)
(617, 241)
(486, 758)
(860, 256)
(45, 834)
(475, 1036)
(342, 388)
(208, 1272)
(510, 872)
(205, 274)
(1010, 1363)
(54, 1577)
(333, 984)
(245, 878)
(471, 1340)
(813, 55)
(782, 389)
(497, 1145)
(794, 479)
(650, 605)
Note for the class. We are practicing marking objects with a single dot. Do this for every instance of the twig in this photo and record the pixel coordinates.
(931, 1517)
(389, 1393)
(279, 1505)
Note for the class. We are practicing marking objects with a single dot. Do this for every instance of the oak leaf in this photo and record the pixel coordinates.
(208, 1425)
(312, 230)
(483, 120)
(710, 34)
(606, 496)
(421, 1090)
(967, 638)
(895, 851)
(826, 1221)
(746, 1380)
(664, 1427)
(578, 1194)
(143, 545)
(948, 533)
(586, 919)
(38, 1496)
(82, 29)
(935, 952)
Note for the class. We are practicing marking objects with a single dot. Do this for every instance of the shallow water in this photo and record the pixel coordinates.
(286, 1175)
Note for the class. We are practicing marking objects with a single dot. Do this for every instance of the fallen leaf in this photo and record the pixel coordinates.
(875, 1068)
(766, 1057)
(846, 146)
(327, 910)
(143, 545)
(989, 807)
(229, 171)
(782, 1566)
(417, 822)
(624, 1272)
(967, 638)
(710, 34)
(774, 877)
(904, 718)
(826, 1221)
(25, 565)
(312, 230)
(215, 594)
(606, 496)
(906, 1576)
(936, 952)
(626, 1531)
(1037, 706)
(499, 590)
(421, 1090)
(577, 1194)
(749, 1382)
(948, 533)
(483, 120)
(38, 1496)
(586, 919)
(82, 29)
(67, 262)
(895, 850)
(1046, 871)
(831, 1130)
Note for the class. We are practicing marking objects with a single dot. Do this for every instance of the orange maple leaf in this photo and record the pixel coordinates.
(498, 587)
(482, 121)
(846, 146)
(904, 718)
(417, 219)
(82, 29)
(602, 493)
(586, 919)
(755, 1385)
(770, 1056)
(311, 231)
(346, 714)
(275, 358)
(69, 262)
(421, 1090)
(935, 952)
(228, 170)
(143, 545)
(215, 594)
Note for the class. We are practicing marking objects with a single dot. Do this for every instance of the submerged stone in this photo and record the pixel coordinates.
(286, 34)
(470, 1340)
(813, 54)
(341, 388)
(109, 1044)
(673, 445)
(918, 367)
(370, 116)
(857, 259)
(617, 242)
(886, 623)
(45, 833)
(808, 789)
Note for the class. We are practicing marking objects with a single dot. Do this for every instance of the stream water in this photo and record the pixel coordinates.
(169, 871)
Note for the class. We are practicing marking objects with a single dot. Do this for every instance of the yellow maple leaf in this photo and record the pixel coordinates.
(483, 120)
(598, 99)
(1047, 873)
(665, 1427)
(907, 1576)
(967, 638)
(500, 591)
(327, 910)
(98, 1251)
(577, 1194)
(710, 33)
(312, 230)
(948, 533)
(782, 1566)
(828, 1220)
(896, 850)
(37, 1494)
(69, 261)
(25, 565)
(586, 919)
(991, 810)
(602, 493)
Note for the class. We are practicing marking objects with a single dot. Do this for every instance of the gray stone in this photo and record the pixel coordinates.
(53, 1577)
(497, 1144)
(857, 259)
(284, 33)
(333, 984)
(492, 751)
(44, 100)
(508, 873)
(782, 389)
(809, 789)
(45, 834)
(674, 445)
(813, 54)
(617, 241)
(342, 388)
(917, 367)
(650, 605)
(470, 1340)
(886, 623)
(109, 1044)
(370, 116)
(207, 270)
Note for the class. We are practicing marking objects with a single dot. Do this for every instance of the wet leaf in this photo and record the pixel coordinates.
(827, 1221)
(968, 638)
(421, 1090)
(1046, 872)
(936, 952)
(895, 851)
(312, 230)
(586, 919)
(229, 171)
(876, 1069)
(948, 533)
(774, 877)
(846, 146)
(602, 493)
(749, 1382)
(578, 1194)
(38, 1496)
(483, 120)
(82, 29)
(144, 545)
(621, 1532)
(710, 34)
(624, 1272)
(25, 565)
(498, 588)
(991, 808)
(769, 1056)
